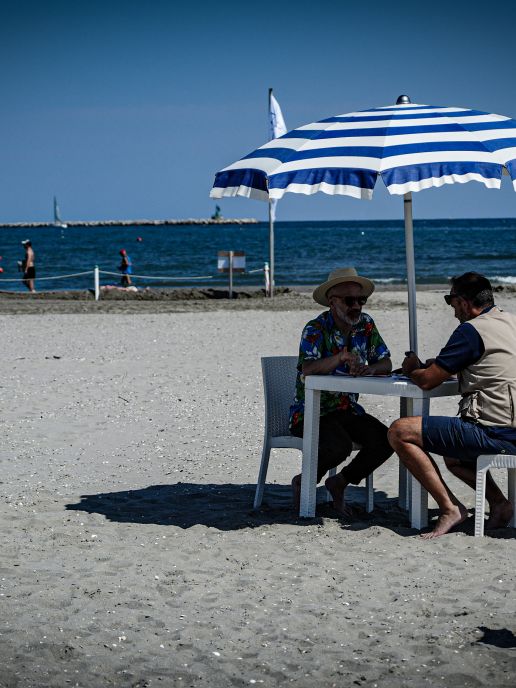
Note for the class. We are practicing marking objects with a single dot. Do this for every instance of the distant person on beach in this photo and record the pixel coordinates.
(482, 352)
(126, 268)
(342, 340)
(28, 265)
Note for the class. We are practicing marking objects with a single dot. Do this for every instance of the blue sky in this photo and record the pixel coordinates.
(127, 109)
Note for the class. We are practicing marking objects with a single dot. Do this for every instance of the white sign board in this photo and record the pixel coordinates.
(238, 261)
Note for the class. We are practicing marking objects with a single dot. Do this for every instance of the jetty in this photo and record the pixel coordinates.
(132, 223)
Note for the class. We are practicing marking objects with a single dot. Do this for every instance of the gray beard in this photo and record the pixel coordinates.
(351, 321)
(346, 319)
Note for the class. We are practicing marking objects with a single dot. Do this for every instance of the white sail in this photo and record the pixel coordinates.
(57, 216)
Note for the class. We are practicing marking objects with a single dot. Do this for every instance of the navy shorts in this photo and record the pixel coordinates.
(461, 439)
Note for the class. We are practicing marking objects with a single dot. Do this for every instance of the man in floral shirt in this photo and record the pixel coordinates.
(342, 341)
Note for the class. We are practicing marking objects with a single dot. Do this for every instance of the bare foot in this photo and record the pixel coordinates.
(296, 492)
(446, 521)
(499, 515)
(336, 485)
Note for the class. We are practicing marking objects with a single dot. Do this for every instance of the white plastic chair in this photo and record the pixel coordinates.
(484, 463)
(279, 382)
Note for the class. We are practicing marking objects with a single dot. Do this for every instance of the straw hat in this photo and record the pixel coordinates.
(340, 276)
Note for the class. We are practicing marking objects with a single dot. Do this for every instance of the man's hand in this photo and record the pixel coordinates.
(410, 363)
(327, 365)
(381, 367)
(356, 367)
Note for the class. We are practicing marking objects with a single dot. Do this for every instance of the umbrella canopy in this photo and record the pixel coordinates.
(412, 147)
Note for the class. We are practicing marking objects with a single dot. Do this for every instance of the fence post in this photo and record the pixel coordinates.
(267, 279)
(96, 282)
(231, 274)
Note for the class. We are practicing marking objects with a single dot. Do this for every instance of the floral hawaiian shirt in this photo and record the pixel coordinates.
(321, 338)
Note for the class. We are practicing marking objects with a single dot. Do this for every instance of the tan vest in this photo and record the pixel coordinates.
(488, 387)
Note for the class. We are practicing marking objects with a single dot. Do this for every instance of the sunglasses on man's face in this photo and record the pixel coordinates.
(351, 300)
(449, 298)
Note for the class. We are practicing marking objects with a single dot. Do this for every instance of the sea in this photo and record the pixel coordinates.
(305, 252)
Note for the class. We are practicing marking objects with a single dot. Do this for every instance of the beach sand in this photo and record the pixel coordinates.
(131, 556)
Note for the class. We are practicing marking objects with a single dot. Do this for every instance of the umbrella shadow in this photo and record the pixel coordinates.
(386, 513)
(221, 506)
(184, 505)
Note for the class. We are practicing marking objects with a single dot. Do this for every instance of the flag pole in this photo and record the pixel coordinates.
(271, 252)
(271, 232)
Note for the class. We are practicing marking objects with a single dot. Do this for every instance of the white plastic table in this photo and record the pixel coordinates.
(414, 402)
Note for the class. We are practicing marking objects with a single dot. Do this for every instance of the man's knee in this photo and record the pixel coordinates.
(396, 432)
(405, 430)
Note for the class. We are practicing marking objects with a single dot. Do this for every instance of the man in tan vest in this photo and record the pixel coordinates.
(482, 352)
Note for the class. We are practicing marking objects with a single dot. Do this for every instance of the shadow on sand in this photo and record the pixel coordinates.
(229, 507)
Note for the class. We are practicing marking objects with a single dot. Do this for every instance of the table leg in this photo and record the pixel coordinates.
(403, 475)
(418, 494)
(310, 453)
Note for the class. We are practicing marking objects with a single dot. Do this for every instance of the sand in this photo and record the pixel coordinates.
(131, 555)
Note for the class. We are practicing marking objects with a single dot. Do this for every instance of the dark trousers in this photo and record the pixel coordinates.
(337, 432)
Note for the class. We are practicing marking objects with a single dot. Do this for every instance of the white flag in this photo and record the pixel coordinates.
(277, 123)
(277, 128)
(272, 206)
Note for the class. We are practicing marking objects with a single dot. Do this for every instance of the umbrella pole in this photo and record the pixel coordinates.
(411, 270)
(271, 252)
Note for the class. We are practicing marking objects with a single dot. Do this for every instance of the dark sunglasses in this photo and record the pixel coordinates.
(351, 300)
(449, 297)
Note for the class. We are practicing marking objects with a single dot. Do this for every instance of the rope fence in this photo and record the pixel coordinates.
(167, 279)
(40, 279)
(96, 272)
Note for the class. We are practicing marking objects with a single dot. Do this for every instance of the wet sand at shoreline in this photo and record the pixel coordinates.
(194, 300)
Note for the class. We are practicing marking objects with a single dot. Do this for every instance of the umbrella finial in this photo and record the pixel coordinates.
(403, 100)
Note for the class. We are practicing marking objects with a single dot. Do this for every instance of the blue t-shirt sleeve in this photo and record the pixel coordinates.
(312, 342)
(464, 347)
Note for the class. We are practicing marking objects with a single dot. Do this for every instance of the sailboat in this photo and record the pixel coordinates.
(57, 216)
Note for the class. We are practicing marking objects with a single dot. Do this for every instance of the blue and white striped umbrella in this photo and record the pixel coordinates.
(412, 147)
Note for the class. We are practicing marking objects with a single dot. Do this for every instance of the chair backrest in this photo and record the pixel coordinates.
(279, 386)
